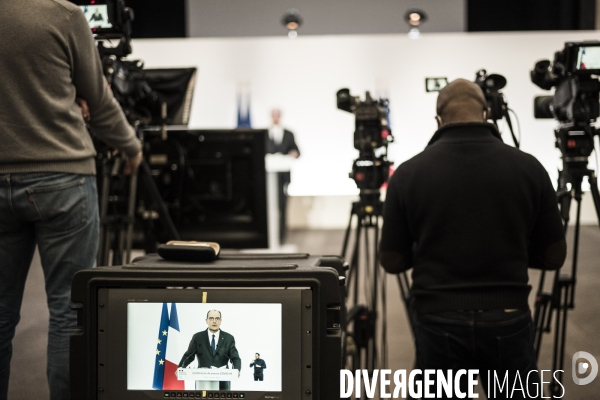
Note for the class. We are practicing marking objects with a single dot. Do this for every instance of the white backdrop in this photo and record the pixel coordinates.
(255, 327)
(302, 76)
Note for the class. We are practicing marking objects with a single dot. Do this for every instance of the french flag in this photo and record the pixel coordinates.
(243, 110)
(167, 351)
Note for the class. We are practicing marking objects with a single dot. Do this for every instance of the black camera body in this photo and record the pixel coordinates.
(576, 97)
(576, 101)
(371, 137)
(371, 116)
(491, 84)
(108, 20)
(129, 84)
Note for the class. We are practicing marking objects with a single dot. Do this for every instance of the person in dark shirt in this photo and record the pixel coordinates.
(259, 365)
(213, 347)
(96, 16)
(470, 215)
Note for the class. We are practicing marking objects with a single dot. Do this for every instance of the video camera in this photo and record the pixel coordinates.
(371, 138)
(111, 20)
(490, 84)
(575, 103)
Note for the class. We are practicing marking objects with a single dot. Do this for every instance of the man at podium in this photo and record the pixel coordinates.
(213, 348)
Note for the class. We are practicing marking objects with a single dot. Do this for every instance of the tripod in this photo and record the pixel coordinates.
(368, 212)
(118, 200)
(562, 297)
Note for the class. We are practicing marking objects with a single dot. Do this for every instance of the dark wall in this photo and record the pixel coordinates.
(530, 15)
(247, 18)
(158, 19)
(163, 19)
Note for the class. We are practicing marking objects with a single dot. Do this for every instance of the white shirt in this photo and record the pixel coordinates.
(276, 134)
(210, 335)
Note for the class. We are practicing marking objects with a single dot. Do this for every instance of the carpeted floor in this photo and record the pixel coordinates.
(28, 377)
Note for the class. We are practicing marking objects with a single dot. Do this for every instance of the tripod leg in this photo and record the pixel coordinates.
(163, 211)
(384, 355)
(560, 336)
(575, 250)
(542, 316)
(102, 258)
(347, 235)
(371, 356)
(353, 274)
(595, 195)
(130, 216)
(350, 260)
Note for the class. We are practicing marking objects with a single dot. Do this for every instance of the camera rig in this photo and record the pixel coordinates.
(369, 171)
(575, 105)
(111, 20)
(491, 84)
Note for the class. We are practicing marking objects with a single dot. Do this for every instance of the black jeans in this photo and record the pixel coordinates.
(497, 343)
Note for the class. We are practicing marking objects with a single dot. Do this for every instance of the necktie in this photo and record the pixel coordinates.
(212, 345)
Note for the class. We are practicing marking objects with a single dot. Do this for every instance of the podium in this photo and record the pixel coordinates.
(207, 378)
(275, 163)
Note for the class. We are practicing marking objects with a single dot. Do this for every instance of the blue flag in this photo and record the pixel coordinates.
(243, 118)
(161, 347)
(173, 320)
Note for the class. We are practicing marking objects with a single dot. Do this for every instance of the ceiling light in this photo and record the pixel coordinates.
(414, 17)
(292, 20)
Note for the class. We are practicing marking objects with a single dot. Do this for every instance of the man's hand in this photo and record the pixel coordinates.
(132, 164)
(239, 373)
(85, 110)
(293, 153)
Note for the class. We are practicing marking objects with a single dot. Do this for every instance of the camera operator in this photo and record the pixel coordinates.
(48, 59)
(470, 215)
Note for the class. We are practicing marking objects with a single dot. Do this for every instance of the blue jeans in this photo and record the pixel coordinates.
(494, 342)
(59, 214)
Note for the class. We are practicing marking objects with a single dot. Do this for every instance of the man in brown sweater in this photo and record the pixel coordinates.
(48, 59)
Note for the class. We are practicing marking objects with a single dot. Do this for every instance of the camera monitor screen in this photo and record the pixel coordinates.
(435, 84)
(214, 184)
(157, 343)
(588, 58)
(97, 16)
(161, 336)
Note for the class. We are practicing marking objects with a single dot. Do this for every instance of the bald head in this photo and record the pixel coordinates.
(461, 101)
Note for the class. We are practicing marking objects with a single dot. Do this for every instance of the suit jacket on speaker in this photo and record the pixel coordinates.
(287, 144)
(200, 346)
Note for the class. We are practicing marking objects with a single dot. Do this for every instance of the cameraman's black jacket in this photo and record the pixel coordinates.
(470, 214)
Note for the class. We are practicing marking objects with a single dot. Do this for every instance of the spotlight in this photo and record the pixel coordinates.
(292, 20)
(415, 17)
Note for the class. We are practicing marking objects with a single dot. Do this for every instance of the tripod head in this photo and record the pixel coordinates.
(576, 144)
